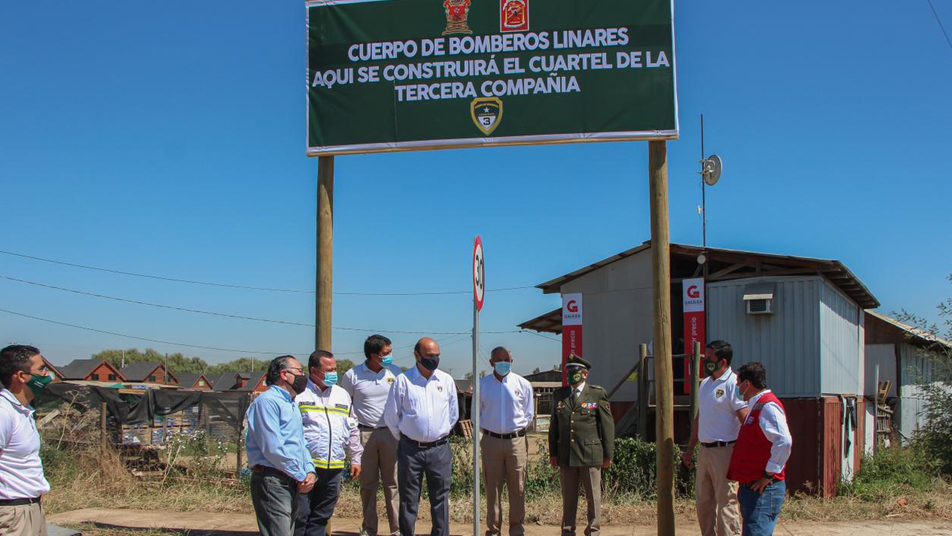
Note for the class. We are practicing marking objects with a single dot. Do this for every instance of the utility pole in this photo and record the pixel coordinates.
(661, 290)
(325, 252)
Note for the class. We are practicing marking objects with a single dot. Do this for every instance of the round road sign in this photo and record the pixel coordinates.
(479, 273)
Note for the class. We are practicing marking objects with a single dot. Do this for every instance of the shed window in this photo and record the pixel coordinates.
(759, 298)
(112, 377)
(201, 383)
(151, 378)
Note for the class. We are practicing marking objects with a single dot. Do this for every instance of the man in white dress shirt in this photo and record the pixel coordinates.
(506, 411)
(369, 387)
(720, 412)
(421, 412)
(22, 483)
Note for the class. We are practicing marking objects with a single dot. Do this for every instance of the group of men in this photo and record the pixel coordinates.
(395, 427)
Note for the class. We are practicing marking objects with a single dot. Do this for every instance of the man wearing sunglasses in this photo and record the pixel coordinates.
(277, 453)
(581, 443)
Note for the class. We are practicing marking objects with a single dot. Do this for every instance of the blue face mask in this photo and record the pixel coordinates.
(387, 360)
(502, 367)
(330, 378)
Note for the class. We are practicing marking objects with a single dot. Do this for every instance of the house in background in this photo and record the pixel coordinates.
(91, 370)
(149, 372)
(241, 381)
(901, 352)
(803, 318)
(194, 382)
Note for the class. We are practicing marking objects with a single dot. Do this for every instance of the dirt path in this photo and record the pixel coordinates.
(244, 523)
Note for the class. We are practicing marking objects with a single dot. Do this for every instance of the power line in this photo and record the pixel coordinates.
(248, 287)
(941, 27)
(540, 335)
(234, 316)
(233, 350)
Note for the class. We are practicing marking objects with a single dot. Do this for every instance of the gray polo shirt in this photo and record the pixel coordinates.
(369, 391)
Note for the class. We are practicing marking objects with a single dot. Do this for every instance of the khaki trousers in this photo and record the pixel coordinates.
(590, 478)
(718, 512)
(25, 520)
(379, 462)
(504, 461)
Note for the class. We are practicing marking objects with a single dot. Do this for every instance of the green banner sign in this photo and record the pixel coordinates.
(391, 75)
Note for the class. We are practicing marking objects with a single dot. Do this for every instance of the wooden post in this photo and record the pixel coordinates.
(102, 426)
(876, 413)
(325, 252)
(242, 407)
(643, 393)
(695, 378)
(661, 286)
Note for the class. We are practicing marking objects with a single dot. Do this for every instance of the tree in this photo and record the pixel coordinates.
(176, 362)
(536, 370)
(343, 365)
(935, 437)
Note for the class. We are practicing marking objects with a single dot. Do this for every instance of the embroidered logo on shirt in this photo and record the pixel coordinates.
(439, 388)
(390, 381)
(719, 393)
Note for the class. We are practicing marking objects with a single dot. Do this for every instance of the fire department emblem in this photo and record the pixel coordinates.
(439, 388)
(719, 393)
(513, 15)
(390, 381)
(457, 11)
(487, 113)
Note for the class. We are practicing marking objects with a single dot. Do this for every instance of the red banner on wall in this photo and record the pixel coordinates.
(571, 329)
(693, 293)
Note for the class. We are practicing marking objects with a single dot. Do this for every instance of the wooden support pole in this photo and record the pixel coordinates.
(695, 377)
(103, 411)
(325, 252)
(643, 393)
(664, 377)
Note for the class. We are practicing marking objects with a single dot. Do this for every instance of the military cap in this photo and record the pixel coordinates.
(577, 360)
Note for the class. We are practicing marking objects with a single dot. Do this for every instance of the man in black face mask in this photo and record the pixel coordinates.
(721, 410)
(277, 453)
(421, 412)
(581, 443)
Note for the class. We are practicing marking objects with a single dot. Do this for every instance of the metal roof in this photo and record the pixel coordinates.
(550, 322)
(916, 333)
(735, 264)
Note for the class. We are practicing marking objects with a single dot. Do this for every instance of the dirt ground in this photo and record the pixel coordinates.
(104, 521)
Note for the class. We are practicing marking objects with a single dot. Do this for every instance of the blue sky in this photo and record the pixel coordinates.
(168, 138)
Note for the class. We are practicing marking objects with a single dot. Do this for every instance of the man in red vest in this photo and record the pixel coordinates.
(760, 454)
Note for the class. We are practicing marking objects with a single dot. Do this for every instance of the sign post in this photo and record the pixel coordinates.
(693, 301)
(479, 290)
(571, 329)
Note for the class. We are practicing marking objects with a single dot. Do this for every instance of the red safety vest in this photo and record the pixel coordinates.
(752, 450)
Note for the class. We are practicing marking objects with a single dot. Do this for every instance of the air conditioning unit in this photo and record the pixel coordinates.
(759, 298)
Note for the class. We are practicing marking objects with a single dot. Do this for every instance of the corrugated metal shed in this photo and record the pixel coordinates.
(841, 343)
(787, 342)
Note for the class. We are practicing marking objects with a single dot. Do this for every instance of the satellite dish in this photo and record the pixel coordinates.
(712, 167)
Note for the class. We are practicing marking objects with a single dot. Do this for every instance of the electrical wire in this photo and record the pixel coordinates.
(147, 339)
(234, 316)
(248, 287)
(941, 26)
(541, 335)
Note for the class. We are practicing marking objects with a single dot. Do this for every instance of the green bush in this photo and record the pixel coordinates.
(891, 472)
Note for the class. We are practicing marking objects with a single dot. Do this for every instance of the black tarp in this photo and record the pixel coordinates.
(142, 409)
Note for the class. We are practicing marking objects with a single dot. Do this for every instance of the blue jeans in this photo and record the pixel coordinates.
(760, 510)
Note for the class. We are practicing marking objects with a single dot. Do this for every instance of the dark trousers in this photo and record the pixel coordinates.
(412, 464)
(316, 508)
(761, 510)
(275, 500)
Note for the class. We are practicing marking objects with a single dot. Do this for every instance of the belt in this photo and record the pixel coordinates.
(19, 502)
(520, 433)
(716, 444)
(420, 444)
(365, 427)
(265, 470)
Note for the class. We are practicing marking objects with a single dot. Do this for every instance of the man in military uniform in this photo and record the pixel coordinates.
(581, 443)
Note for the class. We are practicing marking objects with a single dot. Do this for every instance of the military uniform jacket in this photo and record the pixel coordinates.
(581, 433)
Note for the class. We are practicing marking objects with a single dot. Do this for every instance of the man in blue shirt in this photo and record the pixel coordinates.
(277, 454)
